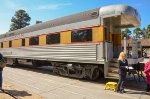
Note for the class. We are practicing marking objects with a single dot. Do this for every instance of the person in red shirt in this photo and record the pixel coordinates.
(147, 72)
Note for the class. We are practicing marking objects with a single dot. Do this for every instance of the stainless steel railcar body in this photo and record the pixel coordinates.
(87, 59)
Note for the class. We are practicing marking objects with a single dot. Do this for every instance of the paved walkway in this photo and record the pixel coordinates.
(51, 86)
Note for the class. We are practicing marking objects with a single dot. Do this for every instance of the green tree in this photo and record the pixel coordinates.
(137, 33)
(19, 20)
(144, 33)
(148, 31)
(126, 33)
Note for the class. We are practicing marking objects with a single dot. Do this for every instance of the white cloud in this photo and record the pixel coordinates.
(13, 5)
(10, 4)
(52, 6)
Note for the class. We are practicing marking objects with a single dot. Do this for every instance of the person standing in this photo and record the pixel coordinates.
(123, 67)
(147, 72)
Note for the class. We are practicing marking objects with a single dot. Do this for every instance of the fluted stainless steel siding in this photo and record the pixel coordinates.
(84, 53)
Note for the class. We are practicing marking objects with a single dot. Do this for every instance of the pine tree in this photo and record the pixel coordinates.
(148, 31)
(144, 33)
(137, 33)
(126, 33)
(20, 20)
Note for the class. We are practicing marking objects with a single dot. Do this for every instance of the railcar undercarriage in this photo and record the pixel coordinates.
(77, 70)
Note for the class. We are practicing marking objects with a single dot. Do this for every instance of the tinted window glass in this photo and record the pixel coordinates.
(10, 43)
(81, 35)
(34, 41)
(53, 39)
(23, 42)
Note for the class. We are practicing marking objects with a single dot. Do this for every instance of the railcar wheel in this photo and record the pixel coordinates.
(35, 63)
(15, 62)
(94, 74)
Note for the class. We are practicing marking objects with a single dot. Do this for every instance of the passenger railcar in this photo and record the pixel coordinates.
(80, 45)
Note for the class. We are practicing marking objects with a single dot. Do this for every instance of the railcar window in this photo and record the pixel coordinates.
(34, 41)
(53, 38)
(1, 44)
(81, 35)
(10, 43)
(23, 42)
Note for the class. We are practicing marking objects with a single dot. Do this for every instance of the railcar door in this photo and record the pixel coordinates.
(112, 36)
(109, 51)
(112, 45)
(108, 45)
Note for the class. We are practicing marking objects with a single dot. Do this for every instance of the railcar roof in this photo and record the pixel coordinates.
(82, 16)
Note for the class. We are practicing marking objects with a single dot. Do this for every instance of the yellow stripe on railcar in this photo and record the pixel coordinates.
(17, 43)
(98, 34)
(42, 40)
(65, 37)
(6, 44)
(26, 41)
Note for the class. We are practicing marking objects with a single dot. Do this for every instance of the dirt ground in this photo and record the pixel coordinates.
(18, 92)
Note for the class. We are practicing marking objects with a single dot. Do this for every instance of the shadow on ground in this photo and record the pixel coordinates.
(16, 93)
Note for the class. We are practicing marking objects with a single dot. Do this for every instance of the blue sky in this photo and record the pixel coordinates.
(45, 10)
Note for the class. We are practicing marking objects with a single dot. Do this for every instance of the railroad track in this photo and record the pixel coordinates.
(8, 93)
